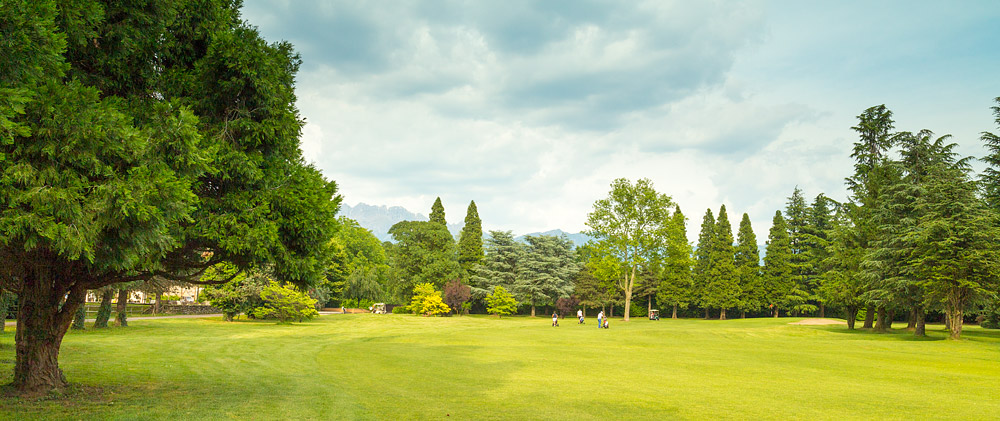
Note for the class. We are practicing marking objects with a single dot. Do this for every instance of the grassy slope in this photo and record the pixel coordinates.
(397, 366)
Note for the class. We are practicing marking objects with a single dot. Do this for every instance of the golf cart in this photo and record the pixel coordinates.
(378, 308)
(654, 314)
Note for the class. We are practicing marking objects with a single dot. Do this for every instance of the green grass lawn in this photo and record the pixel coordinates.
(407, 367)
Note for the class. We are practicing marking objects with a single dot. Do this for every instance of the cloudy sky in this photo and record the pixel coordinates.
(532, 108)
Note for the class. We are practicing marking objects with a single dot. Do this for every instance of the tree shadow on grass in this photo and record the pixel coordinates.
(889, 335)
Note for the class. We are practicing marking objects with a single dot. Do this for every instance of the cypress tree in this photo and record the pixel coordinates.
(675, 288)
(748, 267)
(470, 244)
(437, 212)
(797, 220)
(703, 261)
(723, 290)
(777, 265)
(990, 178)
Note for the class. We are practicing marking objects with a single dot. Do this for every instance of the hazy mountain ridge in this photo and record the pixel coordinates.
(379, 219)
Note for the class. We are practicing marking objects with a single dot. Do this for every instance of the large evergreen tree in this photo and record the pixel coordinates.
(143, 141)
(990, 178)
(797, 220)
(546, 271)
(777, 278)
(437, 213)
(675, 287)
(723, 288)
(748, 268)
(816, 248)
(500, 264)
(424, 253)
(871, 174)
(470, 243)
(703, 260)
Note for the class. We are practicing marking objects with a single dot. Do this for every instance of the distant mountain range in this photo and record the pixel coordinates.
(378, 219)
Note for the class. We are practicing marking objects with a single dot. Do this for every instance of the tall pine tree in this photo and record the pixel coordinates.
(990, 178)
(723, 289)
(675, 288)
(470, 244)
(703, 261)
(797, 219)
(748, 268)
(437, 213)
(777, 279)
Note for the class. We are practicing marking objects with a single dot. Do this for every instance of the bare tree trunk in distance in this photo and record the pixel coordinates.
(880, 321)
(104, 311)
(869, 317)
(674, 316)
(722, 314)
(628, 294)
(120, 316)
(822, 310)
(706, 313)
(954, 317)
(911, 320)
(743, 314)
(890, 314)
(852, 316)
(159, 302)
(919, 316)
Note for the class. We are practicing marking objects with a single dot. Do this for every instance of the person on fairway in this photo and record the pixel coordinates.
(600, 317)
(579, 315)
(555, 319)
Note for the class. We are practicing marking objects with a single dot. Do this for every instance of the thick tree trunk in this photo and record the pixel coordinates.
(852, 316)
(743, 314)
(628, 294)
(954, 318)
(42, 321)
(869, 317)
(890, 314)
(611, 312)
(674, 316)
(104, 311)
(911, 321)
(880, 321)
(532, 309)
(706, 313)
(122, 308)
(822, 310)
(722, 314)
(919, 317)
(775, 310)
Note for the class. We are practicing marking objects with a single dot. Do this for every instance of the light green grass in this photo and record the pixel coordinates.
(407, 367)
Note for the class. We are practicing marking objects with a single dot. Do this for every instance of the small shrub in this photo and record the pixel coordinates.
(991, 318)
(400, 310)
(500, 302)
(427, 301)
(285, 304)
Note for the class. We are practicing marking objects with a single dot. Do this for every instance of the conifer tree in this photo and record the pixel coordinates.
(500, 264)
(546, 271)
(816, 248)
(703, 261)
(723, 289)
(470, 243)
(437, 213)
(777, 266)
(990, 178)
(797, 219)
(748, 268)
(675, 288)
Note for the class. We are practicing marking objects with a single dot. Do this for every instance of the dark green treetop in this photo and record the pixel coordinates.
(470, 243)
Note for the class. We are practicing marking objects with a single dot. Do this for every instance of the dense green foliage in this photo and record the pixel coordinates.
(675, 289)
(500, 302)
(630, 227)
(285, 304)
(546, 271)
(500, 265)
(748, 268)
(470, 243)
(722, 291)
(241, 294)
(427, 301)
(142, 141)
(424, 253)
